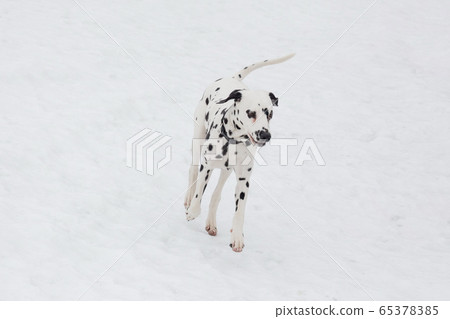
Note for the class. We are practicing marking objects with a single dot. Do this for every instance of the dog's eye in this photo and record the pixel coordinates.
(251, 114)
(270, 115)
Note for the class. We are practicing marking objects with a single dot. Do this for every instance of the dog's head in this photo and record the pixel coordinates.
(253, 110)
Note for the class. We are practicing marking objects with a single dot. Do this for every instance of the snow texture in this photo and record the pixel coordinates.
(376, 104)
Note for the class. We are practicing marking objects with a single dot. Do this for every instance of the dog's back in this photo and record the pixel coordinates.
(221, 88)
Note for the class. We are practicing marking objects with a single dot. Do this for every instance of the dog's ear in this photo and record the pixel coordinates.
(235, 95)
(274, 99)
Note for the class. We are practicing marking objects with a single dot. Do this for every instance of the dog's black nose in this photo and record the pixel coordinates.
(264, 135)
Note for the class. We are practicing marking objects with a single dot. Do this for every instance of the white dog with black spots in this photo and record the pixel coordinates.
(233, 121)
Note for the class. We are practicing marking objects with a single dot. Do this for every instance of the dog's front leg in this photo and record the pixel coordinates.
(211, 224)
(241, 194)
(194, 209)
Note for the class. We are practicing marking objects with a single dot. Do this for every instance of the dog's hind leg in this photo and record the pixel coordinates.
(199, 133)
(211, 224)
(193, 174)
(195, 208)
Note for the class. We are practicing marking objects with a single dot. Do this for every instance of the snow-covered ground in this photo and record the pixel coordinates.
(376, 104)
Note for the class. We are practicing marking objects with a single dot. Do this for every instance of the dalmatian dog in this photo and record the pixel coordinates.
(232, 121)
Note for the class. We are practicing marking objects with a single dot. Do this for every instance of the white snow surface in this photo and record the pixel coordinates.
(373, 222)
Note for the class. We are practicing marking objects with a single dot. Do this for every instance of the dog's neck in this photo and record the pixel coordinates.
(231, 127)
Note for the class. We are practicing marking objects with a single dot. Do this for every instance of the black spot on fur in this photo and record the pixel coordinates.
(237, 126)
(225, 120)
(218, 156)
(240, 76)
(207, 115)
(196, 195)
(217, 89)
(247, 184)
(242, 178)
(266, 60)
(249, 169)
(224, 149)
(226, 163)
(204, 188)
(235, 95)
(246, 68)
(242, 196)
(210, 147)
(207, 101)
(230, 132)
(218, 80)
(201, 167)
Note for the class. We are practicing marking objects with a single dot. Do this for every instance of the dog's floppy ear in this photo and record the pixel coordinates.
(235, 95)
(274, 99)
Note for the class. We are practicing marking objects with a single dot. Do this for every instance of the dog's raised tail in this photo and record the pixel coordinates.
(246, 71)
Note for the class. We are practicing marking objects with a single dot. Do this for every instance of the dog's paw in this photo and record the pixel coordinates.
(237, 242)
(187, 200)
(211, 229)
(192, 213)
